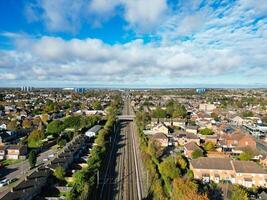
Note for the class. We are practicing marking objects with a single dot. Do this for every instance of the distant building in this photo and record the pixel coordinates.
(26, 88)
(207, 107)
(201, 90)
(79, 90)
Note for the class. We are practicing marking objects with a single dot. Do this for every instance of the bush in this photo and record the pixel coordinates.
(206, 131)
(59, 173)
(197, 153)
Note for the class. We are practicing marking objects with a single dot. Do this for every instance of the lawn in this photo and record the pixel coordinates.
(10, 161)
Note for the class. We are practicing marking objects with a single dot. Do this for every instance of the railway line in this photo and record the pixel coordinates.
(120, 178)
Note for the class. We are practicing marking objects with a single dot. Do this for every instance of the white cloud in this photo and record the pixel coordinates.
(67, 15)
(145, 15)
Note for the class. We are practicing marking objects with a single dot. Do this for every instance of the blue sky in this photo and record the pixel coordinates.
(133, 43)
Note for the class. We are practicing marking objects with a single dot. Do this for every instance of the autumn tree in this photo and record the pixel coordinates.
(185, 189)
(12, 125)
(239, 193)
(169, 168)
(35, 138)
(44, 118)
(209, 146)
(26, 123)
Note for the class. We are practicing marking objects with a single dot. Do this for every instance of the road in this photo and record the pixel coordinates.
(19, 169)
(120, 178)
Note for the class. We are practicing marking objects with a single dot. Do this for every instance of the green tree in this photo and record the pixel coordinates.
(73, 122)
(96, 105)
(169, 168)
(159, 113)
(264, 119)
(32, 158)
(247, 154)
(247, 113)
(55, 127)
(206, 131)
(239, 193)
(179, 111)
(62, 143)
(35, 139)
(209, 146)
(197, 153)
(59, 173)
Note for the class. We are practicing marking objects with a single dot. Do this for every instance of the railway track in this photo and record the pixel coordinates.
(121, 180)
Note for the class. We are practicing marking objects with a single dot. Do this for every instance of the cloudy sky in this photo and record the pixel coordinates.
(133, 43)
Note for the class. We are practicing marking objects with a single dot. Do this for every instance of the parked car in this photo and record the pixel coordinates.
(51, 156)
(3, 182)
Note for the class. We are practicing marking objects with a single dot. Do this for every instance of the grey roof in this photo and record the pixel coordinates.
(212, 163)
(94, 129)
(247, 167)
(191, 146)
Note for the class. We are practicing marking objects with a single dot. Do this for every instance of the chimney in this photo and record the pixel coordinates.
(12, 189)
(26, 178)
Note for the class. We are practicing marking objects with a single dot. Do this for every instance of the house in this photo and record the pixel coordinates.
(93, 131)
(2, 152)
(237, 140)
(182, 138)
(189, 148)
(16, 152)
(161, 127)
(161, 139)
(191, 129)
(206, 107)
(238, 121)
(245, 173)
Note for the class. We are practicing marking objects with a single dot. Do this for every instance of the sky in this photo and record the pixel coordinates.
(133, 43)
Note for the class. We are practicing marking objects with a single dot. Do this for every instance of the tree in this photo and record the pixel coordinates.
(26, 123)
(62, 143)
(209, 146)
(197, 153)
(44, 118)
(35, 138)
(159, 113)
(12, 125)
(182, 163)
(247, 154)
(206, 131)
(32, 158)
(239, 193)
(184, 189)
(168, 168)
(73, 122)
(264, 119)
(55, 127)
(96, 105)
(247, 113)
(59, 173)
(179, 111)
